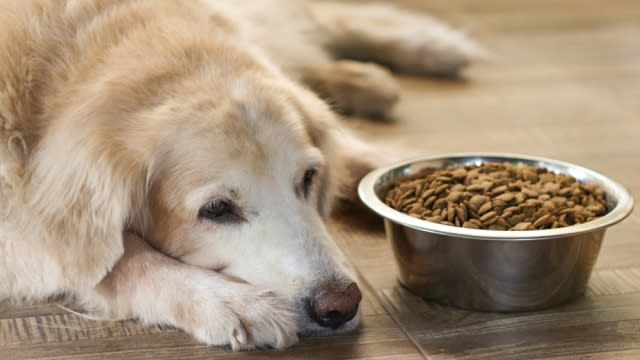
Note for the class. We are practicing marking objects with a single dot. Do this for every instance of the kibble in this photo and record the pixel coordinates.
(498, 196)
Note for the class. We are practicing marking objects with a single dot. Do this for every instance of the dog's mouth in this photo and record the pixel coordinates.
(310, 325)
(333, 319)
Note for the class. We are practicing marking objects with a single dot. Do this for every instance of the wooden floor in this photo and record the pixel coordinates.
(566, 85)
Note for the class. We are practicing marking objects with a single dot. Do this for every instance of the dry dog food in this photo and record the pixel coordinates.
(498, 197)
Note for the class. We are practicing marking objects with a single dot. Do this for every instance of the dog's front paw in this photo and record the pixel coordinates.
(242, 316)
(354, 88)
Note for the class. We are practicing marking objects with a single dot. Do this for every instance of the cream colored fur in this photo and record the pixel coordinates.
(122, 119)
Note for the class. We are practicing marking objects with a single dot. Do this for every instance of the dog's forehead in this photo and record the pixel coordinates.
(253, 127)
(266, 117)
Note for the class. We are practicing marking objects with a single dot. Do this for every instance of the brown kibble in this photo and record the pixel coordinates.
(474, 187)
(406, 194)
(512, 209)
(506, 197)
(549, 206)
(522, 226)
(488, 216)
(567, 211)
(470, 225)
(441, 188)
(441, 203)
(430, 201)
(503, 222)
(565, 191)
(444, 215)
(477, 201)
(541, 221)
(530, 193)
(486, 185)
(485, 207)
(451, 212)
(498, 197)
(596, 209)
(472, 214)
(499, 205)
(530, 211)
(458, 187)
(497, 227)
(459, 173)
(461, 212)
(454, 196)
(544, 197)
(527, 204)
(499, 189)
(408, 201)
(517, 219)
(559, 201)
(520, 197)
(534, 202)
(427, 194)
(551, 188)
(530, 176)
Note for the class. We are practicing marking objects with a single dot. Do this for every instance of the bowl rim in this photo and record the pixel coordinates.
(366, 192)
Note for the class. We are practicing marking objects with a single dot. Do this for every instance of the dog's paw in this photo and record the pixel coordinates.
(355, 88)
(418, 43)
(243, 317)
(403, 40)
(440, 50)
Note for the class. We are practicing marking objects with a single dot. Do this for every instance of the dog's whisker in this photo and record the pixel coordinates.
(85, 316)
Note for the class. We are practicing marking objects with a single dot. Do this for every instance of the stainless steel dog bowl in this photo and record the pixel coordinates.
(493, 270)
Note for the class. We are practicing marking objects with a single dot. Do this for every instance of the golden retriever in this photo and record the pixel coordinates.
(164, 160)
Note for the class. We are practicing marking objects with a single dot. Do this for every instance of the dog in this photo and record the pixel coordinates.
(174, 161)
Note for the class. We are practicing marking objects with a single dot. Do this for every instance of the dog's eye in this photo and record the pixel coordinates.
(307, 181)
(219, 211)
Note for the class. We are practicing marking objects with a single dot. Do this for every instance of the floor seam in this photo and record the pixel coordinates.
(393, 318)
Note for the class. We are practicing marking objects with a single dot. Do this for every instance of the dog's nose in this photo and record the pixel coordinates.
(332, 308)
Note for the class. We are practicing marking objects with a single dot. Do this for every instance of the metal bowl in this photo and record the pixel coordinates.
(492, 270)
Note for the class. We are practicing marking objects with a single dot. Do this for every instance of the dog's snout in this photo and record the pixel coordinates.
(332, 308)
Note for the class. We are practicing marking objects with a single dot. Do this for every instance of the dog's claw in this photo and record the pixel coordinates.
(240, 336)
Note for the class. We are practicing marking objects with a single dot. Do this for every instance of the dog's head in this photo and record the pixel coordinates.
(242, 186)
(223, 164)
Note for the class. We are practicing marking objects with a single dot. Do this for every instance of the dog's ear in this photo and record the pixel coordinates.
(348, 159)
(78, 201)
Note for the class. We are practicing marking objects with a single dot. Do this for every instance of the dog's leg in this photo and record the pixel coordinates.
(353, 88)
(217, 310)
(396, 38)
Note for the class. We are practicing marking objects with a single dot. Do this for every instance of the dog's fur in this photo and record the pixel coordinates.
(123, 120)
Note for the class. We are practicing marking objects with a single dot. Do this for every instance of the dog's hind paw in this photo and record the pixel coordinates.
(403, 40)
(437, 49)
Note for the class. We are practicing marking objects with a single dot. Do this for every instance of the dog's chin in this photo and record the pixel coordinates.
(308, 327)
